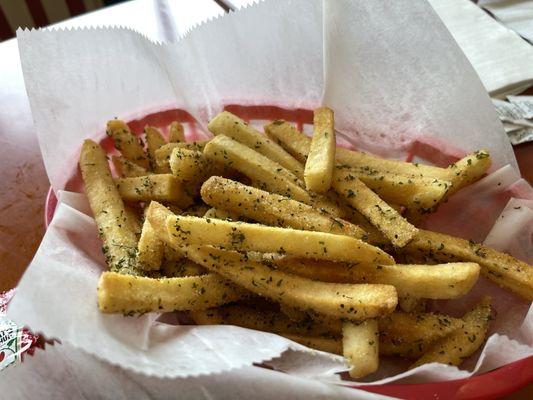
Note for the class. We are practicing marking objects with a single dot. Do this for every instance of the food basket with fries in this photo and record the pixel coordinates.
(300, 211)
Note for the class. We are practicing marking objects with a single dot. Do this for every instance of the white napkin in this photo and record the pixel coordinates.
(500, 57)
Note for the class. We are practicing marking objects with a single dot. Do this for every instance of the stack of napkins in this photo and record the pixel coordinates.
(516, 15)
(502, 59)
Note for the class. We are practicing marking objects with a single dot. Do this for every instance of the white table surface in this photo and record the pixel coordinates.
(62, 371)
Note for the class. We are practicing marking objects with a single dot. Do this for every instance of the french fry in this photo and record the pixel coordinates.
(187, 231)
(127, 143)
(128, 294)
(293, 313)
(176, 133)
(500, 268)
(256, 166)
(386, 219)
(154, 141)
(126, 168)
(372, 235)
(162, 155)
(298, 144)
(321, 158)
(232, 126)
(287, 136)
(413, 346)
(272, 209)
(181, 268)
(460, 174)
(401, 334)
(150, 249)
(114, 224)
(410, 334)
(133, 217)
(462, 343)
(157, 215)
(272, 176)
(259, 317)
(417, 193)
(353, 302)
(442, 281)
(360, 346)
(409, 303)
(196, 210)
(221, 214)
(469, 169)
(190, 165)
(329, 345)
(158, 187)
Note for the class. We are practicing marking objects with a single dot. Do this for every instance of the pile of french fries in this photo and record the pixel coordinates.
(290, 234)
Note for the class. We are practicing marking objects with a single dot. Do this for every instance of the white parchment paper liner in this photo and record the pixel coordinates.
(391, 72)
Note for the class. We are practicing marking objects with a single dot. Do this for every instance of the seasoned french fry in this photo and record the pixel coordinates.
(114, 224)
(256, 166)
(134, 220)
(298, 144)
(189, 165)
(154, 141)
(181, 268)
(162, 155)
(196, 210)
(157, 214)
(293, 313)
(409, 303)
(401, 334)
(321, 158)
(462, 343)
(126, 168)
(128, 294)
(443, 281)
(221, 214)
(176, 133)
(353, 302)
(500, 268)
(329, 345)
(150, 249)
(187, 231)
(360, 345)
(410, 334)
(158, 187)
(127, 143)
(463, 172)
(469, 169)
(287, 136)
(272, 176)
(232, 126)
(272, 209)
(386, 219)
(417, 193)
(260, 318)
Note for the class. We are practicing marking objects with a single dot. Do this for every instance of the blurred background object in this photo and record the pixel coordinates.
(515, 14)
(39, 13)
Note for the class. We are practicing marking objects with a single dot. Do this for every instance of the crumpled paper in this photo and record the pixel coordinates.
(369, 61)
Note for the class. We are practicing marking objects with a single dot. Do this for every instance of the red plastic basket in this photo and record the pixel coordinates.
(490, 385)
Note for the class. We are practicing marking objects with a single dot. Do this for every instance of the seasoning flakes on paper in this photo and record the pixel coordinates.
(516, 115)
